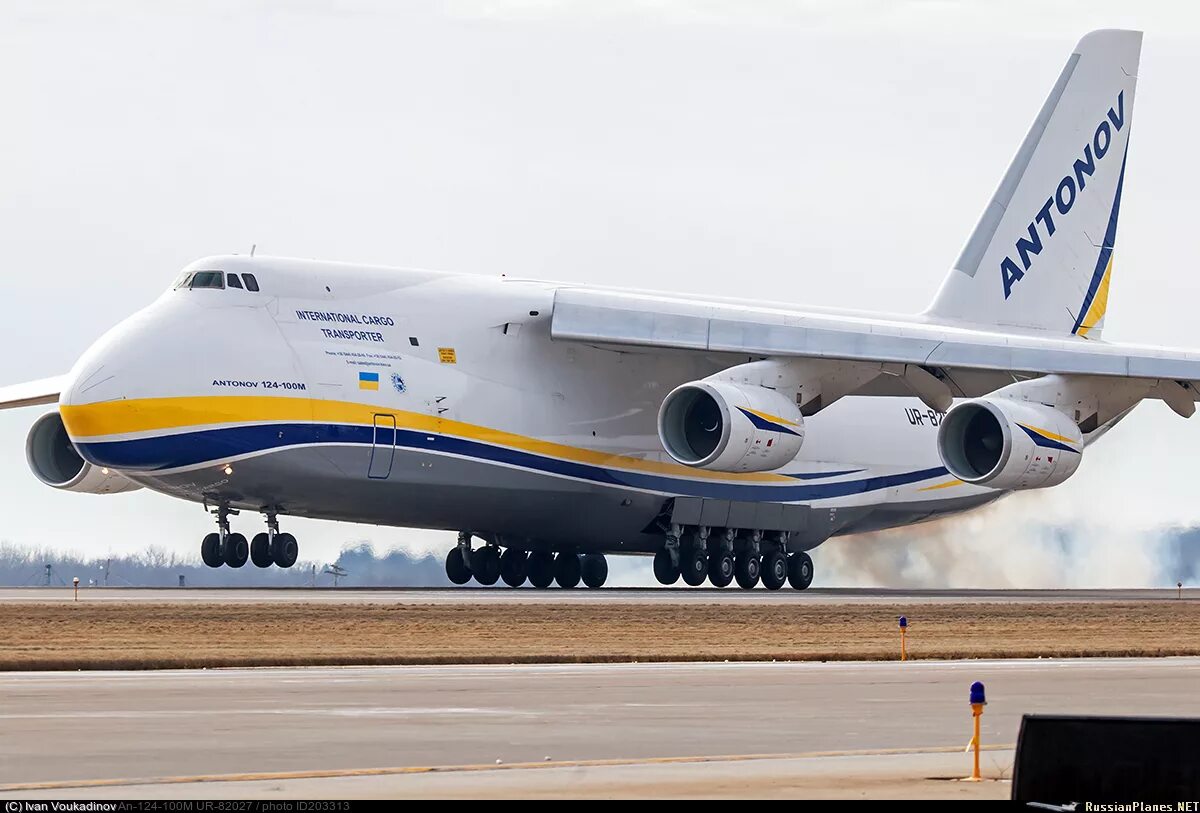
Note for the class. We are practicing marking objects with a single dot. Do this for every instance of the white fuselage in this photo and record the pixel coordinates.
(436, 400)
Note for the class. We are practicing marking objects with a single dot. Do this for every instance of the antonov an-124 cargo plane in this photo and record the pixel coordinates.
(551, 425)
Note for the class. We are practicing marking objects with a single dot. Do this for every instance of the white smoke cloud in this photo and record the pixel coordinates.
(1020, 542)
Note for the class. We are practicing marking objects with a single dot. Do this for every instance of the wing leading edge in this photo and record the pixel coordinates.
(642, 320)
(31, 393)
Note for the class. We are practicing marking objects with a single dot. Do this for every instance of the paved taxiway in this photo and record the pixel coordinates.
(73, 727)
(644, 595)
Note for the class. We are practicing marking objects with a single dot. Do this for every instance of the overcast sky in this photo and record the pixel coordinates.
(829, 153)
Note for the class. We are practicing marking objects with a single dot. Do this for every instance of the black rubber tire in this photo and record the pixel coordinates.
(286, 551)
(456, 567)
(514, 567)
(260, 550)
(567, 570)
(594, 570)
(664, 570)
(541, 569)
(485, 565)
(237, 550)
(800, 570)
(774, 570)
(693, 566)
(720, 569)
(746, 569)
(210, 551)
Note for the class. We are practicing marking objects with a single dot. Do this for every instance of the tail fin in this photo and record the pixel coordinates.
(1041, 255)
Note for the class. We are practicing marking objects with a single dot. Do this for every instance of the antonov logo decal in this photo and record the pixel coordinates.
(1063, 198)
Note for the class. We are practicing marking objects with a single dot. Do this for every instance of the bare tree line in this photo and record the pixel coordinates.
(26, 566)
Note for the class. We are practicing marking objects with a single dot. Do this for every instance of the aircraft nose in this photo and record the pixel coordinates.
(101, 376)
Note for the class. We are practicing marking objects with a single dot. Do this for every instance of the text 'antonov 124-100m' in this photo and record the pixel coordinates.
(551, 425)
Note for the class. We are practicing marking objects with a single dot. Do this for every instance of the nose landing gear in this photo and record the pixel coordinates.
(228, 548)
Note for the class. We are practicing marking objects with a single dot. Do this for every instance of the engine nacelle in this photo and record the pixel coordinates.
(724, 426)
(1009, 445)
(55, 462)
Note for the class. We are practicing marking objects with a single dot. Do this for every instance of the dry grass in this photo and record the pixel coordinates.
(136, 635)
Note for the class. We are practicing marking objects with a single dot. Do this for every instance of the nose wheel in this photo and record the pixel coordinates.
(228, 548)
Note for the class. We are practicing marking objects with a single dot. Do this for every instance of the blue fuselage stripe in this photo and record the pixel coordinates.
(165, 452)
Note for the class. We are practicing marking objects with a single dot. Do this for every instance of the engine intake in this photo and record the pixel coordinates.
(724, 426)
(54, 460)
(1009, 445)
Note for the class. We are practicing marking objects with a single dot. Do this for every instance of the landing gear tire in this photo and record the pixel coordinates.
(800, 570)
(485, 565)
(456, 567)
(514, 566)
(260, 550)
(774, 570)
(210, 550)
(286, 550)
(237, 550)
(567, 570)
(594, 570)
(664, 569)
(693, 566)
(720, 569)
(540, 569)
(746, 570)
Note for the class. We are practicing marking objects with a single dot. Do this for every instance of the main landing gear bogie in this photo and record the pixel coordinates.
(487, 565)
(226, 547)
(696, 554)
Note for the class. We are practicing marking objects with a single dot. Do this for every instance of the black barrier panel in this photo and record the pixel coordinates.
(1106, 759)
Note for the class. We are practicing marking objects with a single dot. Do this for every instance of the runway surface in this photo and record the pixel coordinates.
(646, 595)
(75, 727)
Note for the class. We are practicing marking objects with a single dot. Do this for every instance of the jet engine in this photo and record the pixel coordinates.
(55, 461)
(1009, 445)
(724, 426)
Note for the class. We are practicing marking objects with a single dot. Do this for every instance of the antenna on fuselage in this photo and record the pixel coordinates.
(252, 247)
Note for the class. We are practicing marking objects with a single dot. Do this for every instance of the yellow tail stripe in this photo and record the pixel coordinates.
(1099, 304)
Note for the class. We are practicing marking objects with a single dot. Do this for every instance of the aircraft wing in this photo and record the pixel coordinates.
(31, 393)
(986, 359)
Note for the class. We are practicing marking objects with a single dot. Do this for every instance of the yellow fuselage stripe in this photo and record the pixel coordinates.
(950, 484)
(95, 421)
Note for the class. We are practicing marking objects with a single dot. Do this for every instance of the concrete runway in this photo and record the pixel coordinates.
(362, 731)
(645, 595)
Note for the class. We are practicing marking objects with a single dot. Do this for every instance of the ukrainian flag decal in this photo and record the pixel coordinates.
(368, 381)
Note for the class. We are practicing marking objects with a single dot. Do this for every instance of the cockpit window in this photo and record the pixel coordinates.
(233, 281)
(207, 279)
(251, 282)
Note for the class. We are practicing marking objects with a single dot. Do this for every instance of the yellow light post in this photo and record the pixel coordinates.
(978, 701)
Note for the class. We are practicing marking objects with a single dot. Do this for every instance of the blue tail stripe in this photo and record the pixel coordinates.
(1110, 240)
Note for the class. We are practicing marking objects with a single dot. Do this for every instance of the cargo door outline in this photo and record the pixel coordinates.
(383, 447)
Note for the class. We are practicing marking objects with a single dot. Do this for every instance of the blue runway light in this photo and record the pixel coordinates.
(903, 622)
(977, 695)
